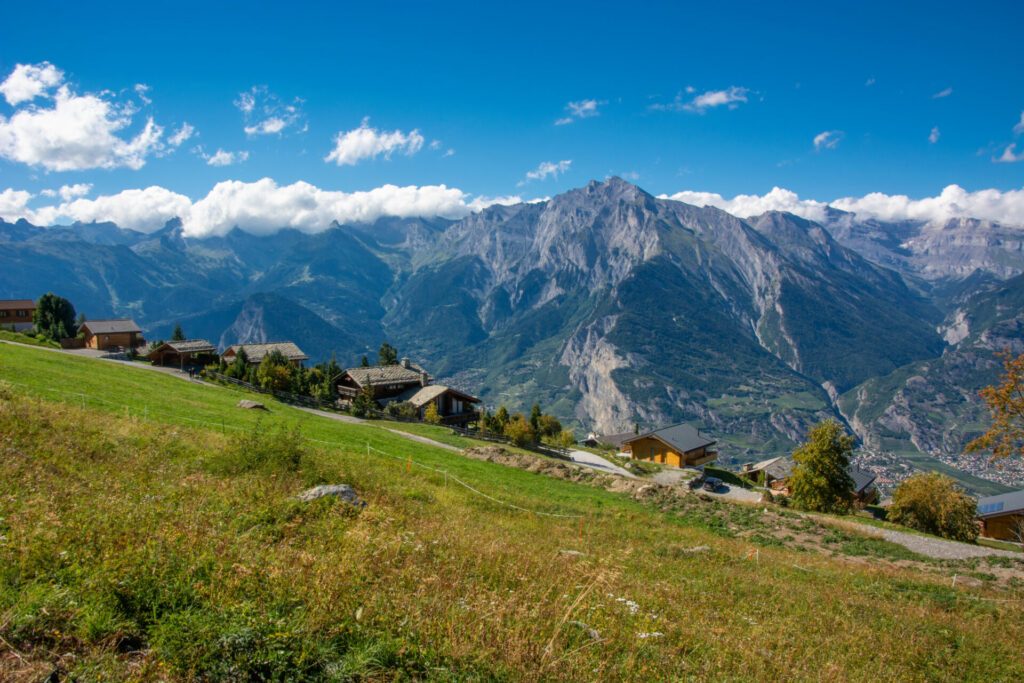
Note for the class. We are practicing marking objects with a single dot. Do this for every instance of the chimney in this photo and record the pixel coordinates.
(424, 378)
(405, 363)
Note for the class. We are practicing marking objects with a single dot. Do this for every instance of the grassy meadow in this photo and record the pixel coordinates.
(149, 531)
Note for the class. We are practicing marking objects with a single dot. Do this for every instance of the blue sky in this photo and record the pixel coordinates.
(469, 96)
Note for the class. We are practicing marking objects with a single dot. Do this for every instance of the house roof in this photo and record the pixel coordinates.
(188, 346)
(386, 374)
(421, 396)
(775, 468)
(614, 439)
(120, 325)
(682, 437)
(16, 304)
(1003, 504)
(257, 352)
(862, 479)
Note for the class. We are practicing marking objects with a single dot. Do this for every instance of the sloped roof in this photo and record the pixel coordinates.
(775, 468)
(861, 478)
(120, 325)
(16, 304)
(615, 439)
(385, 374)
(1003, 504)
(682, 437)
(189, 346)
(257, 352)
(421, 396)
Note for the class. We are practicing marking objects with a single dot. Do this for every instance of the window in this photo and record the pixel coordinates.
(22, 314)
(3, 314)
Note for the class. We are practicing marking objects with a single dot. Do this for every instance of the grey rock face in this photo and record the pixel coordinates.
(342, 491)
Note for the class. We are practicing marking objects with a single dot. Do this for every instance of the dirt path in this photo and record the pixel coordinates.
(938, 548)
(596, 462)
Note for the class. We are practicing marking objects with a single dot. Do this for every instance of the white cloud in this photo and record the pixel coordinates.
(364, 142)
(870, 82)
(69, 192)
(547, 169)
(224, 158)
(953, 202)
(584, 109)
(1019, 128)
(142, 90)
(946, 92)
(730, 97)
(29, 81)
(828, 139)
(75, 132)
(933, 136)
(259, 207)
(181, 135)
(14, 204)
(1008, 156)
(265, 114)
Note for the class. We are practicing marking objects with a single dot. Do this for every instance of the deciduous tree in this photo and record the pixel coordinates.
(54, 317)
(1005, 438)
(431, 415)
(821, 480)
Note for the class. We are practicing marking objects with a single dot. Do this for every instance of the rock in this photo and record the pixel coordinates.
(343, 491)
(592, 632)
(252, 405)
(573, 553)
(695, 550)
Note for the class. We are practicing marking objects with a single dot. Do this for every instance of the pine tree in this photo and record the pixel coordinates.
(535, 414)
(178, 334)
(388, 354)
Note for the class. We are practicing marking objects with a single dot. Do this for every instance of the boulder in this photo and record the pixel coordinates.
(252, 405)
(343, 491)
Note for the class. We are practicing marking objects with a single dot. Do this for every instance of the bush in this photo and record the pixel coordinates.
(934, 504)
(519, 430)
(431, 415)
(402, 410)
(363, 404)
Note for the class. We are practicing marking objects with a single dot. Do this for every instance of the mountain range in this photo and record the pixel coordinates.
(609, 306)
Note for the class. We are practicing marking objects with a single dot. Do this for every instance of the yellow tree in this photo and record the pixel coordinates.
(1005, 438)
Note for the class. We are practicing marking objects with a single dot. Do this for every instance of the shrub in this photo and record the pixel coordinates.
(403, 410)
(934, 504)
(363, 404)
(519, 430)
(431, 415)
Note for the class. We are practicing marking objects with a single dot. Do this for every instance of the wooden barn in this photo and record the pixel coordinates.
(112, 335)
(183, 354)
(678, 446)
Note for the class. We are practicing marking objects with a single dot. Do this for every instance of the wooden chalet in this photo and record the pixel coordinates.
(678, 446)
(17, 314)
(609, 440)
(182, 354)
(407, 382)
(1002, 516)
(776, 472)
(257, 352)
(112, 335)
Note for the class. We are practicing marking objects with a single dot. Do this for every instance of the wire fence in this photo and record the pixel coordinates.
(409, 462)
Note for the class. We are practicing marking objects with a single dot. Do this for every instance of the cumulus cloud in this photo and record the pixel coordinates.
(945, 92)
(953, 202)
(259, 207)
(73, 132)
(264, 113)
(29, 81)
(547, 169)
(730, 97)
(181, 135)
(584, 109)
(69, 192)
(1009, 156)
(14, 204)
(224, 158)
(364, 142)
(828, 139)
(933, 136)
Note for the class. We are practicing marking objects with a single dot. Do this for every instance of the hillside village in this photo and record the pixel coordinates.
(398, 389)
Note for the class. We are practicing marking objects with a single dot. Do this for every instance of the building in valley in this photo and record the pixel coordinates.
(183, 354)
(678, 446)
(17, 314)
(111, 335)
(1002, 516)
(407, 382)
(255, 353)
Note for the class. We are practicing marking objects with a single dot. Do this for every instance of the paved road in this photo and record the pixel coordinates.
(594, 461)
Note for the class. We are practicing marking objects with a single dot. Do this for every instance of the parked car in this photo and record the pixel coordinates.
(696, 482)
(712, 484)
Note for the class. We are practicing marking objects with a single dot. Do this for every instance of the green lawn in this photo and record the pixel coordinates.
(149, 532)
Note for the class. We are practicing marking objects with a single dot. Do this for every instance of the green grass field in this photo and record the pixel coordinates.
(149, 531)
